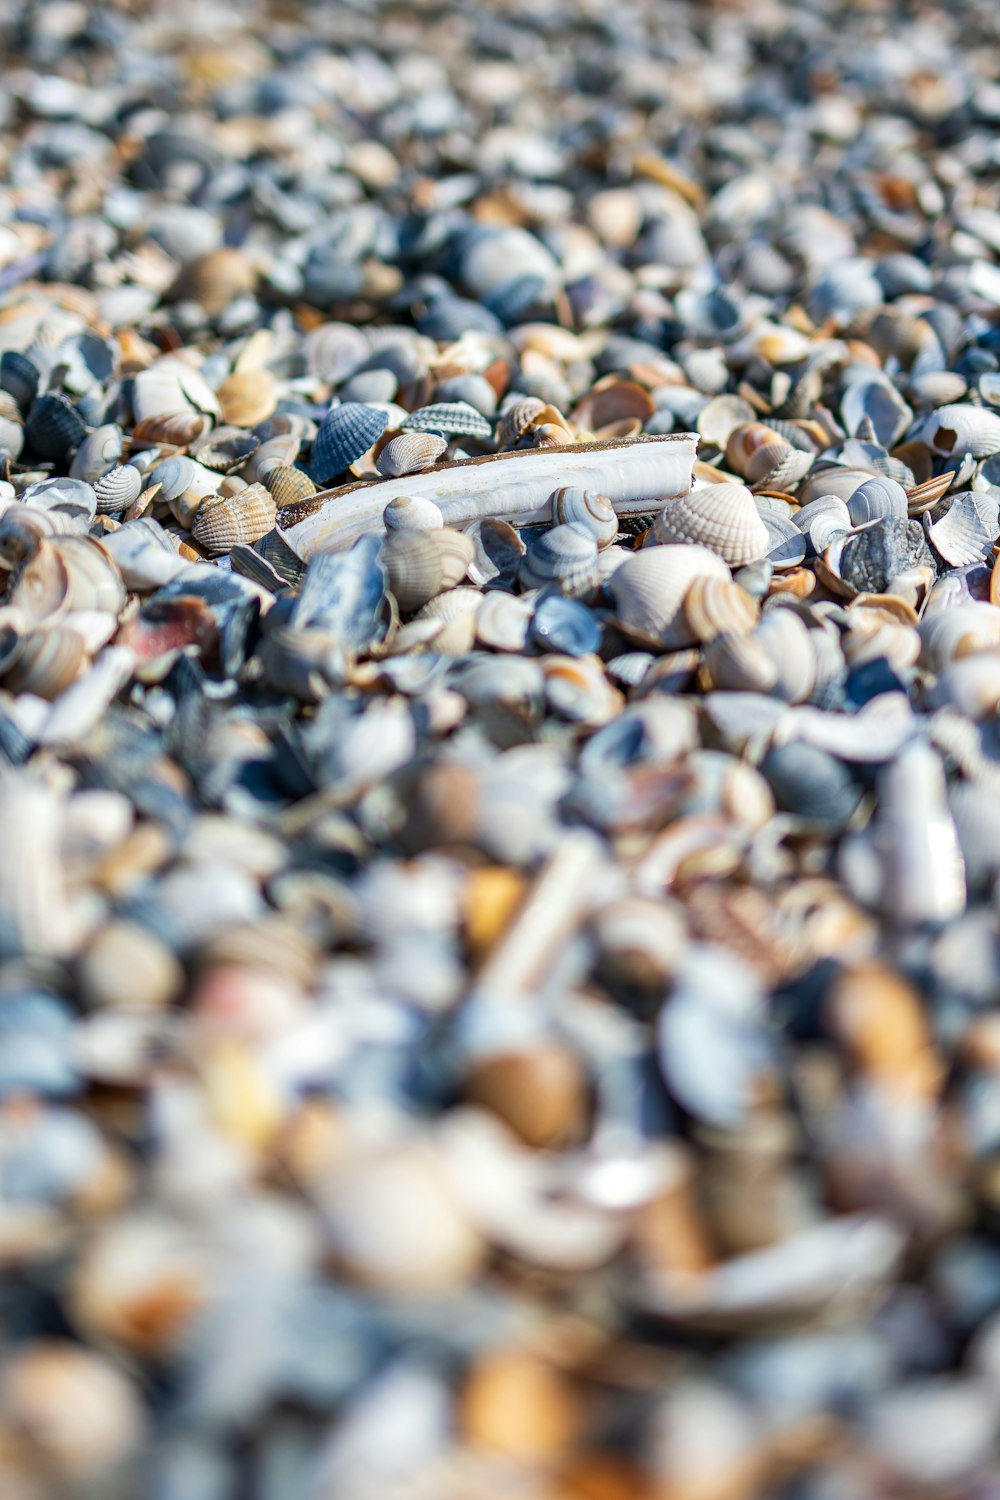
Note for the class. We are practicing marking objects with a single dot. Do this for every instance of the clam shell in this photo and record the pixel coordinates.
(412, 513)
(564, 556)
(722, 517)
(649, 589)
(246, 517)
(716, 605)
(345, 433)
(965, 529)
(502, 621)
(93, 578)
(247, 397)
(54, 427)
(455, 611)
(288, 485)
(42, 585)
(74, 497)
(453, 418)
(410, 453)
(97, 454)
(875, 499)
(588, 511)
(960, 631)
(178, 429)
(171, 386)
(788, 642)
(49, 660)
(962, 428)
(832, 479)
(720, 417)
(224, 449)
(822, 520)
(739, 663)
(422, 564)
(116, 490)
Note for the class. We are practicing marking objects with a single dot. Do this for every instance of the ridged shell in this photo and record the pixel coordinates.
(288, 485)
(412, 513)
(517, 419)
(246, 517)
(722, 517)
(54, 427)
(247, 397)
(345, 433)
(20, 376)
(410, 453)
(225, 449)
(957, 632)
(649, 589)
(564, 556)
(422, 564)
(875, 499)
(276, 552)
(178, 428)
(281, 450)
(99, 452)
(588, 511)
(716, 605)
(963, 429)
(49, 660)
(116, 489)
(965, 529)
(453, 418)
(822, 520)
(787, 640)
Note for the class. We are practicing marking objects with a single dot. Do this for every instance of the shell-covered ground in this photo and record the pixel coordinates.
(499, 755)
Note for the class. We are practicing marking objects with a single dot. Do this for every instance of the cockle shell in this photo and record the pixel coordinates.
(37, 915)
(48, 661)
(961, 429)
(722, 517)
(649, 589)
(288, 485)
(117, 489)
(634, 474)
(409, 453)
(54, 427)
(588, 511)
(564, 556)
(453, 418)
(220, 523)
(716, 605)
(875, 499)
(412, 513)
(421, 564)
(345, 433)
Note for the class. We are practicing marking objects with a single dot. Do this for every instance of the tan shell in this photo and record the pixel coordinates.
(422, 564)
(177, 428)
(716, 605)
(515, 422)
(610, 401)
(245, 517)
(410, 453)
(587, 511)
(288, 485)
(745, 441)
(49, 660)
(739, 663)
(456, 610)
(216, 279)
(722, 517)
(923, 496)
(649, 589)
(42, 586)
(95, 582)
(247, 397)
(412, 513)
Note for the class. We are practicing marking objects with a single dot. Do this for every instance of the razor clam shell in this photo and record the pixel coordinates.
(634, 473)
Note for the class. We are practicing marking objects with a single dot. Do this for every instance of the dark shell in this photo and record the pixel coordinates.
(453, 418)
(344, 594)
(20, 376)
(278, 555)
(54, 427)
(234, 606)
(811, 784)
(882, 551)
(344, 434)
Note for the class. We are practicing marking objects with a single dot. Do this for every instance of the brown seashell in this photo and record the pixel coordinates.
(246, 517)
(800, 581)
(540, 1093)
(410, 453)
(177, 429)
(723, 518)
(716, 605)
(247, 397)
(923, 496)
(887, 606)
(515, 1404)
(612, 400)
(745, 440)
(514, 423)
(288, 485)
(215, 280)
(49, 660)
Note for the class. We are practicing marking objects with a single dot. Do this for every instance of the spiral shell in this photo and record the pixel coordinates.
(220, 523)
(588, 511)
(722, 517)
(345, 433)
(649, 589)
(410, 453)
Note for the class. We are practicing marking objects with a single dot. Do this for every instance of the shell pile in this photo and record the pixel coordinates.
(499, 751)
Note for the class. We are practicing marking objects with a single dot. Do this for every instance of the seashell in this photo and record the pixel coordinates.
(215, 280)
(282, 450)
(564, 626)
(247, 397)
(649, 589)
(345, 433)
(922, 496)
(832, 479)
(713, 606)
(564, 556)
(54, 427)
(100, 451)
(811, 785)
(220, 523)
(722, 517)
(455, 611)
(20, 376)
(747, 439)
(875, 499)
(41, 588)
(612, 400)
(589, 512)
(421, 564)
(963, 529)
(517, 419)
(410, 453)
(93, 579)
(789, 644)
(412, 513)
(961, 428)
(176, 429)
(276, 552)
(145, 554)
(957, 632)
(116, 490)
(287, 485)
(823, 520)
(502, 621)
(499, 549)
(884, 549)
(916, 840)
(739, 663)
(510, 486)
(874, 401)
(224, 449)
(577, 688)
(73, 497)
(171, 386)
(49, 660)
(785, 467)
(721, 416)
(452, 418)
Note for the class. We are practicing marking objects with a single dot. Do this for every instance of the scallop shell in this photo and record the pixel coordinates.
(247, 397)
(412, 513)
(716, 605)
(649, 589)
(288, 485)
(453, 418)
(422, 564)
(588, 511)
(722, 517)
(345, 433)
(961, 429)
(117, 489)
(563, 555)
(875, 499)
(966, 529)
(246, 517)
(49, 660)
(409, 453)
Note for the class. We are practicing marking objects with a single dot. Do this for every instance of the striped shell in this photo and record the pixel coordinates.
(713, 606)
(588, 511)
(722, 517)
(565, 556)
(875, 499)
(288, 485)
(649, 589)
(345, 433)
(966, 528)
(412, 513)
(116, 489)
(275, 551)
(409, 453)
(178, 428)
(246, 517)
(454, 418)
(963, 429)
(422, 564)
(517, 419)
(48, 661)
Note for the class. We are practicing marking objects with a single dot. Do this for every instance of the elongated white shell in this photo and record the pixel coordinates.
(635, 473)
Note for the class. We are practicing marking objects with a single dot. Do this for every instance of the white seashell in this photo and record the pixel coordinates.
(787, 641)
(967, 529)
(37, 915)
(409, 453)
(956, 632)
(587, 511)
(649, 589)
(412, 513)
(634, 473)
(961, 429)
(916, 839)
(875, 499)
(722, 517)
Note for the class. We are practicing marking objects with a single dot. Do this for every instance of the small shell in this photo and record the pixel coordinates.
(412, 513)
(517, 419)
(288, 485)
(716, 605)
(740, 664)
(875, 499)
(54, 427)
(177, 428)
(577, 688)
(720, 417)
(962, 429)
(747, 439)
(587, 511)
(246, 517)
(960, 631)
(42, 586)
(832, 479)
(117, 489)
(788, 642)
(649, 589)
(722, 517)
(93, 579)
(247, 397)
(49, 660)
(966, 529)
(822, 520)
(422, 564)
(564, 556)
(98, 453)
(453, 418)
(502, 621)
(285, 561)
(225, 449)
(456, 612)
(410, 453)
(345, 433)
